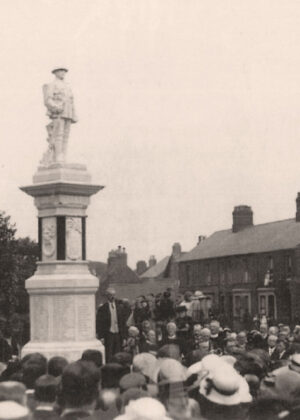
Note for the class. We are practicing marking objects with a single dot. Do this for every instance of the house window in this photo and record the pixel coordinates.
(188, 274)
(288, 266)
(267, 303)
(222, 273)
(229, 271)
(208, 274)
(222, 304)
(262, 304)
(241, 303)
(246, 270)
(209, 302)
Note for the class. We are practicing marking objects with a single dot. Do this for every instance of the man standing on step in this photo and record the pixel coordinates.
(111, 324)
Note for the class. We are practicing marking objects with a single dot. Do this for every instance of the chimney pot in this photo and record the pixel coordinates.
(201, 238)
(152, 261)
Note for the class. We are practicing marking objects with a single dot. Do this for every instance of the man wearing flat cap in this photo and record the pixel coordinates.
(58, 99)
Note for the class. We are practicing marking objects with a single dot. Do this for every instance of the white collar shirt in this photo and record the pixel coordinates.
(114, 328)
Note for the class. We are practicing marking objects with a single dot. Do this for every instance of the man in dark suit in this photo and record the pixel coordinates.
(79, 390)
(272, 340)
(45, 391)
(281, 352)
(111, 324)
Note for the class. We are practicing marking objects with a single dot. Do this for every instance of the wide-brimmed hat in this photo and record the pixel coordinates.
(224, 386)
(58, 69)
(10, 410)
(295, 363)
(284, 386)
(171, 371)
(145, 408)
(194, 368)
(147, 364)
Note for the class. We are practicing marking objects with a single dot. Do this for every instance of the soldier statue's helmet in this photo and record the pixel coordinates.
(58, 69)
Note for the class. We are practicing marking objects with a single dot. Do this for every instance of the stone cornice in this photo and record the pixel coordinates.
(67, 188)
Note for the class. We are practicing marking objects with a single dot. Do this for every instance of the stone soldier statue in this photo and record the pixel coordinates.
(58, 99)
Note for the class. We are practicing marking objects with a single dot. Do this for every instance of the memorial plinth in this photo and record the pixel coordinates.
(62, 290)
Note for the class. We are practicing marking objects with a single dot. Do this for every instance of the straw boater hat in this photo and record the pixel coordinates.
(223, 385)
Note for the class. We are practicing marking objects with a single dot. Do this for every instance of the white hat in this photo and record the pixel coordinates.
(171, 371)
(145, 408)
(295, 363)
(198, 294)
(194, 368)
(228, 359)
(225, 386)
(145, 363)
(10, 410)
(211, 362)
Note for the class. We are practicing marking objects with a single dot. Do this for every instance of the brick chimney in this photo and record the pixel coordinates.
(152, 261)
(242, 218)
(141, 267)
(176, 250)
(298, 208)
(117, 257)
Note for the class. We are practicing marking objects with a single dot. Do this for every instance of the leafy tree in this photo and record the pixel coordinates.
(17, 262)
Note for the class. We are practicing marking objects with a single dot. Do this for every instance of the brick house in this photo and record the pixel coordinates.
(248, 270)
(157, 277)
(164, 274)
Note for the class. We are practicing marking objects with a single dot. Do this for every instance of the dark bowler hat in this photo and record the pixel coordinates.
(111, 373)
(59, 68)
(123, 358)
(132, 380)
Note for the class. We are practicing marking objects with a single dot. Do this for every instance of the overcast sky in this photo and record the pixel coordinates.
(186, 108)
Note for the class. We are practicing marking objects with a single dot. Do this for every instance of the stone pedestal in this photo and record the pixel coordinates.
(62, 290)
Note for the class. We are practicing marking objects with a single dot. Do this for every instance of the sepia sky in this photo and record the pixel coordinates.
(186, 108)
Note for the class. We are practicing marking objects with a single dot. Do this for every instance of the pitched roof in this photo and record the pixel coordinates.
(157, 270)
(97, 268)
(120, 274)
(283, 234)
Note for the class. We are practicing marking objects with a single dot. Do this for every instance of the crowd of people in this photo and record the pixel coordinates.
(165, 359)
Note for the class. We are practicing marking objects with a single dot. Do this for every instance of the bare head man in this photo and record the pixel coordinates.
(215, 327)
(110, 294)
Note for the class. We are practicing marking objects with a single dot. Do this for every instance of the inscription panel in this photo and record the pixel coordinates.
(39, 318)
(64, 318)
(85, 317)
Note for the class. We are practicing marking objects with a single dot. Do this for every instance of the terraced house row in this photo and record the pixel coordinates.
(248, 270)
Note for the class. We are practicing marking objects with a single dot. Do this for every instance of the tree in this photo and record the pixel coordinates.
(17, 262)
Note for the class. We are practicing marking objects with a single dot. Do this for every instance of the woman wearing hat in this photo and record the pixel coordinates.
(223, 393)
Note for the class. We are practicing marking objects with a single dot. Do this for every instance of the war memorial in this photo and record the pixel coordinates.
(62, 290)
